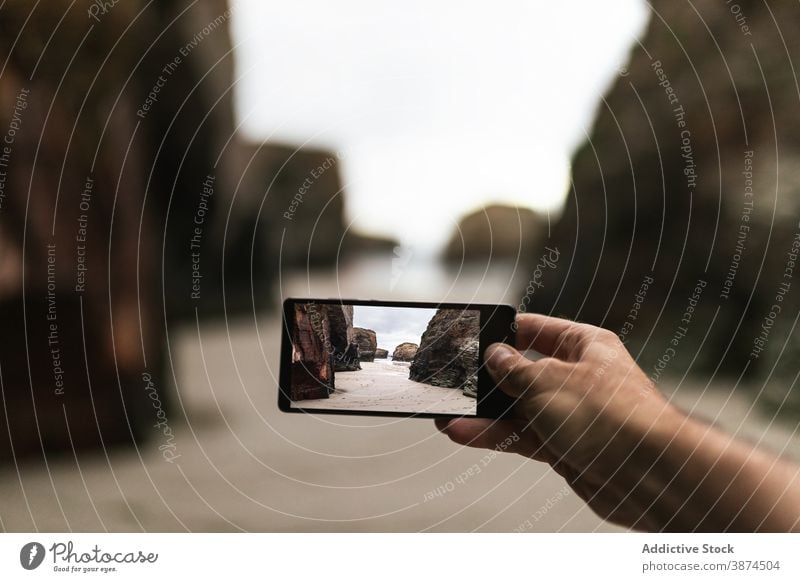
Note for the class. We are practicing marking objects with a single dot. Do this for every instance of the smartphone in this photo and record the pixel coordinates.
(391, 358)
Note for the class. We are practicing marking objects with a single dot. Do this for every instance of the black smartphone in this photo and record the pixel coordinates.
(391, 358)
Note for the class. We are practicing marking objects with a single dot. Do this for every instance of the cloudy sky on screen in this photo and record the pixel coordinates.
(393, 325)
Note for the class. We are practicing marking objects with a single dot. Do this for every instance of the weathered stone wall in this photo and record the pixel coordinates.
(448, 351)
(679, 228)
(124, 136)
(297, 195)
(495, 232)
(312, 363)
(367, 343)
(343, 338)
(81, 334)
(405, 352)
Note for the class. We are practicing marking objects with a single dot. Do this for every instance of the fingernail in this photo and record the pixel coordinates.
(496, 355)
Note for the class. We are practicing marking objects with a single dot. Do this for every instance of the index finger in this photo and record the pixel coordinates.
(541, 332)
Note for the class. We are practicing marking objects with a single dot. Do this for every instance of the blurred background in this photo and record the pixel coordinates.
(171, 170)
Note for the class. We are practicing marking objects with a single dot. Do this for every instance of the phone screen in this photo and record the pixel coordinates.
(364, 357)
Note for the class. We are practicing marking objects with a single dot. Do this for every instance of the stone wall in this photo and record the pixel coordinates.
(679, 227)
(78, 287)
(496, 231)
(121, 203)
(405, 352)
(448, 351)
(367, 344)
(343, 338)
(312, 362)
(298, 197)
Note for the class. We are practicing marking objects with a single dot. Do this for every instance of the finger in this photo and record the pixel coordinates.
(515, 374)
(483, 433)
(441, 423)
(512, 436)
(541, 332)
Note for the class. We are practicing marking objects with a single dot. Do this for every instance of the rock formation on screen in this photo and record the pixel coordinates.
(495, 231)
(367, 344)
(448, 352)
(343, 338)
(381, 354)
(312, 362)
(405, 352)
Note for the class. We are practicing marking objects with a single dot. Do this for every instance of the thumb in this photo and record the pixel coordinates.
(513, 373)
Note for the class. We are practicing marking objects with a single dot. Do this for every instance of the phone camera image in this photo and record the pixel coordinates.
(375, 358)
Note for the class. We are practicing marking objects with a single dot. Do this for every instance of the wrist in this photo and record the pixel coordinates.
(673, 466)
(656, 430)
(657, 439)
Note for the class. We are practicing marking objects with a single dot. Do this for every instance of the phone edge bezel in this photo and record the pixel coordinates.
(492, 405)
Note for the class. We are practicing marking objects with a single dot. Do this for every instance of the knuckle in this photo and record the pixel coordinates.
(607, 336)
(567, 338)
(549, 363)
(597, 337)
(516, 369)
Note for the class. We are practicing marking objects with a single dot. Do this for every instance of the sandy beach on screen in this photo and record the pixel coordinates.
(384, 386)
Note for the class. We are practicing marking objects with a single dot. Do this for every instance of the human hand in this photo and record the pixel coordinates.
(586, 408)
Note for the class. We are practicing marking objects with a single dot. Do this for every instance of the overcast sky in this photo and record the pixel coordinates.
(393, 325)
(438, 107)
